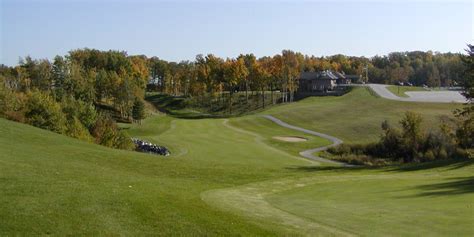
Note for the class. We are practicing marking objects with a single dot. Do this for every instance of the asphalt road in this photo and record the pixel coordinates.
(420, 96)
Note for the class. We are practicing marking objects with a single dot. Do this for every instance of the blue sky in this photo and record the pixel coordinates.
(179, 30)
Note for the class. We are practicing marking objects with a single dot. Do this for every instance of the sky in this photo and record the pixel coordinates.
(179, 30)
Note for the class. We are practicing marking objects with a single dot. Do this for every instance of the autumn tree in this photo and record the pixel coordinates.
(234, 71)
(262, 78)
(290, 73)
(250, 61)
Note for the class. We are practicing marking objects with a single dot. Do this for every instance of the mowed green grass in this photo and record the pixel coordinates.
(52, 184)
(356, 117)
(268, 130)
(400, 90)
(432, 202)
(226, 177)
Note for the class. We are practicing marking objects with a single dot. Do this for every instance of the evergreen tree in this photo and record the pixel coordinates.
(138, 110)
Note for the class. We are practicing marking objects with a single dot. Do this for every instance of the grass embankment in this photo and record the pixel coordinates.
(217, 106)
(52, 184)
(223, 180)
(391, 201)
(268, 129)
(400, 90)
(356, 117)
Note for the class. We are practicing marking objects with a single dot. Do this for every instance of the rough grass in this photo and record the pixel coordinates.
(356, 117)
(400, 90)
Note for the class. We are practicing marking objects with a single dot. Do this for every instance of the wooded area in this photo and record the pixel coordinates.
(82, 93)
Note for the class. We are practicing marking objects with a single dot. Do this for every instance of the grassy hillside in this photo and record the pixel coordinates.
(212, 107)
(400, 90)
(229, 177)
(268, 130)
(51, 184)
(432, 202)
(356, 116)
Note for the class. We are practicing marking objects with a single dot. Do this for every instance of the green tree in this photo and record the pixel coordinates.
(76, 129)
(59, 76)
(411, 135)
(107, 133)
(465, 130)
(138, 110)
(44, 112)
(468, 82)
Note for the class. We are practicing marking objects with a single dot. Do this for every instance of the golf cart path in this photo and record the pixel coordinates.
(419, 96)
(249, 200)
(309, 153)
(259, 139)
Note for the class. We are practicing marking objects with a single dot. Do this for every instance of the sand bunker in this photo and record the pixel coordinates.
(290, 138)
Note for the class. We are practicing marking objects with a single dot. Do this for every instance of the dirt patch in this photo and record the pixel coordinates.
(290, 138)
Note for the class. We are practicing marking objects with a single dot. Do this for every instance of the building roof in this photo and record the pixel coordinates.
(339, 75)
(321, 75)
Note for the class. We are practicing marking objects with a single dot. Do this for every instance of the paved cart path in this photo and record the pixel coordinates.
(309, 153)
(420, 96)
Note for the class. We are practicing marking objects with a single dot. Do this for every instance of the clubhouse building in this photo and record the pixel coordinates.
(323, 81)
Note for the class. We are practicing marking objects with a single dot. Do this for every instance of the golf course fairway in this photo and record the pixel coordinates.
(228, 177)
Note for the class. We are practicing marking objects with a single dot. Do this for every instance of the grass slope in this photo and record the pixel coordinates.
(228, 177)
(356, 116)
(434, 202)
(400, 90)
(51, 184)
(267, 129)
(414, 201)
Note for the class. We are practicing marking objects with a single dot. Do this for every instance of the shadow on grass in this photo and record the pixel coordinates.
(179, 107)
(175, 106)
(329, 168)
(454, 186)
(447, 164)
(451, 164)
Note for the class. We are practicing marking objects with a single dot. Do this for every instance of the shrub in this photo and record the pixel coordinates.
(442, 154)
(465, 129)
(429, 155)
(411, 135)
(460, 153)
(390, 142)
(85, 112)
(12, 104)
(340, 150)
(44, 112)
(77, 130)
(106, 133)
(409, 145)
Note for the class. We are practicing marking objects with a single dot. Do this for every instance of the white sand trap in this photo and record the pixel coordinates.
(290, 138)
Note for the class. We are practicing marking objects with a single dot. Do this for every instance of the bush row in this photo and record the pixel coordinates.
(411, 144)
(69, 116)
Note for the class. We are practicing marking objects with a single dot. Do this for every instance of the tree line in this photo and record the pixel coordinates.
(211, 74)
(453, 139)
(83, 93)
(209, 77)
(409, 144)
